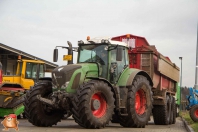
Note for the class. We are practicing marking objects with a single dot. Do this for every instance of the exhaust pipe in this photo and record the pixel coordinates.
(70, 52)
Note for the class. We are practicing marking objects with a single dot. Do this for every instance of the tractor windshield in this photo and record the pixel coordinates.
(94, 53)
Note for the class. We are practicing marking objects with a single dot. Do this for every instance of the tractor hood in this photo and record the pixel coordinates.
(68, 76)
(62, 74)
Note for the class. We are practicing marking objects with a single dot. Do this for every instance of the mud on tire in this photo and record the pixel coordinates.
(35, 111)
(139, 104)
(93, 104)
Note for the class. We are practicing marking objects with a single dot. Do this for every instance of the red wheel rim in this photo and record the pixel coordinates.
(196, 113)
(101, 110)
(140, 102)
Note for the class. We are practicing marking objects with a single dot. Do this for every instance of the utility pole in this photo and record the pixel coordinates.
(196, 68)
(180, 85)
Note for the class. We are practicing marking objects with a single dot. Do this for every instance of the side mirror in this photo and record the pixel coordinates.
(119, 54)
(55, 56)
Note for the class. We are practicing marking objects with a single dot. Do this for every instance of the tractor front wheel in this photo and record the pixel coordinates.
(93, 105)
(37, 113)
(194, 113)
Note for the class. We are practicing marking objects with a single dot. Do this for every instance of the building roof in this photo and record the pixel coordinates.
(26, 55)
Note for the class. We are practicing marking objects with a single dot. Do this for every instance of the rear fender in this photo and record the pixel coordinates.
(128, 76)
(102, 79)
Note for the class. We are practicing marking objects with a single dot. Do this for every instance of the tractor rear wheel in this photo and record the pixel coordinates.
(139, 104)
(93, 105)
(37, 113)
(194, 113)
(161, 113)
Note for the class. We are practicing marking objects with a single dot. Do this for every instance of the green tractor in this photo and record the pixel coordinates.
(99, 88)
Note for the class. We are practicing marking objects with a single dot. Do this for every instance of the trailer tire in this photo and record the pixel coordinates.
(161, 113)
(174, 110)
(139, 104)
(177, 110)
(35, 110)
(194, 113)
(171, 109)
(93, 104)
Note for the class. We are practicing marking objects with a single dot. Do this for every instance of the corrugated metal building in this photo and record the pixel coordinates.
(9, 57)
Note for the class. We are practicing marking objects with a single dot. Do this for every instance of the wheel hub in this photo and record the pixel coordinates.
(98, 105)
(140, 102)
(95, 104)
(196, 113)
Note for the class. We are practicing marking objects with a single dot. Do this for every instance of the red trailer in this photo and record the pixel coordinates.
(163, 72)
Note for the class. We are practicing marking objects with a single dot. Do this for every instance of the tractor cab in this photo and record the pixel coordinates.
(31, 69)
(27, 73)
(110, 56)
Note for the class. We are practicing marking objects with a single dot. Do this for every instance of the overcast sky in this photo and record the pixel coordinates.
(37, 26)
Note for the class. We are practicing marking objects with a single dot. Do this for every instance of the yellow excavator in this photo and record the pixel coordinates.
(13, 87)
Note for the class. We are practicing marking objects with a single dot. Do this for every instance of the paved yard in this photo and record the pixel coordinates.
(70, 125)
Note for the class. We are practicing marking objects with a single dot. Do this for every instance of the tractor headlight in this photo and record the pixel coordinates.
(65, 85)
(54, 86)
(105, 41)
(80, 42)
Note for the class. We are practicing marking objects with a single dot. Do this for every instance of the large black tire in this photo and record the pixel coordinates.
(174, 110)
(35, 111)
(171, 109)
(139, 104)
(194, 113)
(93, 104)
(161, 113)
(177, 110)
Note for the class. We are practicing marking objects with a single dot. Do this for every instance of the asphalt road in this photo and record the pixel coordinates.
(70, 125)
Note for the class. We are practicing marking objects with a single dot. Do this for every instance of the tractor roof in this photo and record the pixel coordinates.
(98, 40)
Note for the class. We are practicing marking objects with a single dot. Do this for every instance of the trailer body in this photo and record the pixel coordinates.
(143, 56)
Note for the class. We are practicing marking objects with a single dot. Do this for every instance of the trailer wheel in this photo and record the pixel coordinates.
(139, 104)
(194, 113)
(174, 110)
(161, 113)
(38, 113)
(171, 109)
(93, 105)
